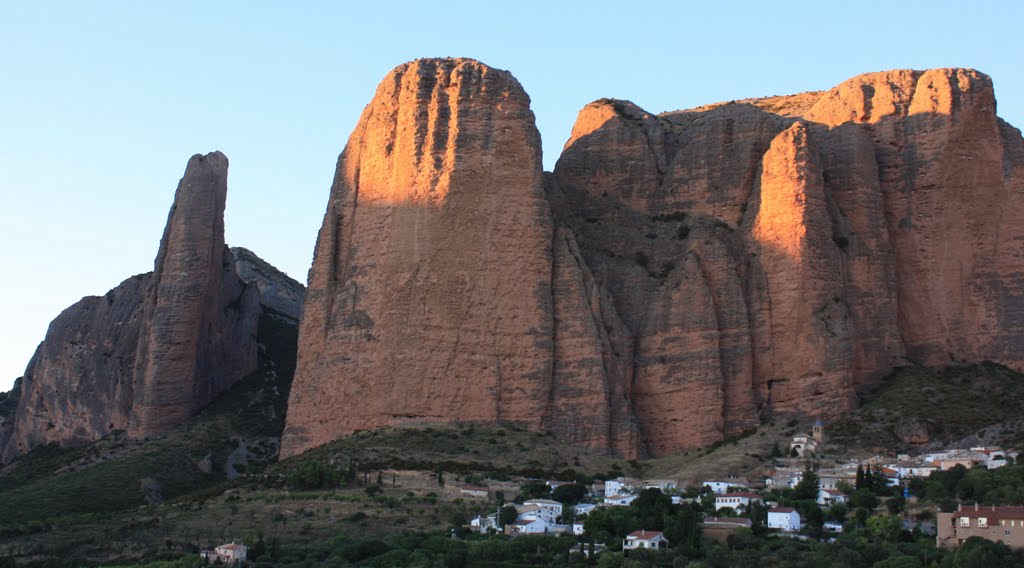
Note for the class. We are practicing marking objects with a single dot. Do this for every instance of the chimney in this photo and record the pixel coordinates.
(975, 505)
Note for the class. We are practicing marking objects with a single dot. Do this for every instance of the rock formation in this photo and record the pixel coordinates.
(278, 291)
(677, 279)
(151, 352)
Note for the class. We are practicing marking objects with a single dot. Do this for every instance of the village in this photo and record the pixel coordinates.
(740, 503)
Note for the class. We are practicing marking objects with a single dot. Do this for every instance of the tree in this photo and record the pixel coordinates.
(808, 487)
(569, 494)
(896, 505)
(864, 498)
(886, 527)
(507, 515)
(860, 478)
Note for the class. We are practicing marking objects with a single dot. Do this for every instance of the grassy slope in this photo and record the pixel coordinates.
(50, 482)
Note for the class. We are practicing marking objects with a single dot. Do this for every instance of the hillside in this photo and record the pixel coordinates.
(238, 432)
(917, 409)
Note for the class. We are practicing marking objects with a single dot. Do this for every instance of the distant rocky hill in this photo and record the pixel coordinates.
(677, 279)
(160, 346)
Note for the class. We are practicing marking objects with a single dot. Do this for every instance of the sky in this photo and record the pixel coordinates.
(102, 103)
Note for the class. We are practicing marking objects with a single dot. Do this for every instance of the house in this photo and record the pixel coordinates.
(598, 489)
(910, 468)
(555, 484)
(831, 497)
(736, 500)
(719, 528)
(719, 487)
(581, 509)
(534, 525)
(533, 511)
(621, 486)
(665, 485)
(619, 500)
(226, 553)
(473, 492)
(577, 528)
(645, 539)
(784, 518)
(553, 508)
(998, 524)
(833, 526)
(482, 524)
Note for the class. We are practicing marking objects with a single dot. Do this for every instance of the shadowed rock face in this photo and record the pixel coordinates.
(687, 275)
(199, 318)
(155, 349)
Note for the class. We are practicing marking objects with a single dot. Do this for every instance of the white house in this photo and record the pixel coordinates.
(482, 524)
(736, 500)
(833, 526)
(619, 500)
(620, 486)
(719, 487)
(554, 507)
(645, 539)
(665, 485)
(784, 518)
(532, 511)
(583, 508)
(226, 553)
(577, 528)
(913, 469)
(528, 526)
(831, 497)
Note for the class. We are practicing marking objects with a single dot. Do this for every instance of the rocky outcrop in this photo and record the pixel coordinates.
(677, 279)
(199, 319)
(429, 296)
(151, 352)
(277, 290)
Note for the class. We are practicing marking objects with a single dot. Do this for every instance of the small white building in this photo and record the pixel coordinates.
(736, 500)
(580, 509)
(645, 539)
(226, 553)
(619, 500)
(719, 487)
(833, 526)
(831, 497)
(533, 525)
(784, 518)
(531, 511)
(907, 469)
(665, 485)
(554, 507)
(577, 528)
(621, 486)
(482, 524)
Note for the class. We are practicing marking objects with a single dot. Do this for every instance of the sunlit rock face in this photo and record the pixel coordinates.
(154, 350)
(430, 293)
(677, 279)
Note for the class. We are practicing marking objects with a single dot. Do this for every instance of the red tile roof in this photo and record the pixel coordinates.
(781, 510)
(992, 513)
(746, 494)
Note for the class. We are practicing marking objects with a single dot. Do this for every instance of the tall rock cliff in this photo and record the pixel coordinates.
(429, 296)
(677, 279)
(155, 349)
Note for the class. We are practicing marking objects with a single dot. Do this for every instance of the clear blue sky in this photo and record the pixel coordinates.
(104, 102)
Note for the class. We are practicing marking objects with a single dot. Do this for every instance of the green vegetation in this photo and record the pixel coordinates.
(916, 403)
(50, 483)
(1001, 486)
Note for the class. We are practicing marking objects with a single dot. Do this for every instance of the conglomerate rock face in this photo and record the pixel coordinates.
(677, 279)
(151, 352)
(429, 296)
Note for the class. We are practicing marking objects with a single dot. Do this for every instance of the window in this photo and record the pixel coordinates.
(965, 521)
(982, 522)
